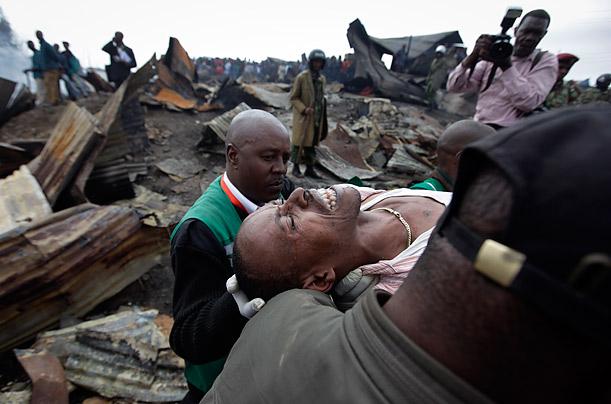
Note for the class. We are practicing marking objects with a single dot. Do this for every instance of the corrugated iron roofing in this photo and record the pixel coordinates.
(21, 200)
(220, 125)
(73, 138)
(125, 355)
(68, 263)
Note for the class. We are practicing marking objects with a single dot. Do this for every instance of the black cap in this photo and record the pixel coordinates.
(559, 167)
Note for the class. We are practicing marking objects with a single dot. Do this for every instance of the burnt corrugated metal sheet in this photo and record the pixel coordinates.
(126, 355)
(110, 178)
(217, 128)
(14, 99)
(68, 263)
(71, 143)
(178, 60)
(21, 200)
(369, 66)
(340, 167)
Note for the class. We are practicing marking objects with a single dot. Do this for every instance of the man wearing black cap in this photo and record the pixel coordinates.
(510, 302)
(309, 114)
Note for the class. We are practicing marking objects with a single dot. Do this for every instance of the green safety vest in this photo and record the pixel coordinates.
(214, 208)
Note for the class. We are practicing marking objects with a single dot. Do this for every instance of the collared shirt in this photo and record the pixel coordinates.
(123, 55)
(246, 203)
(513, 92)
(391, 273)
(300, 349)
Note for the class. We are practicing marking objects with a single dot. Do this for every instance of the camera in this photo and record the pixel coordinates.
(501, 47)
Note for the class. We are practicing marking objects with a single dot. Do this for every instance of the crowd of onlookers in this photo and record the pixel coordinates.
(271, 69)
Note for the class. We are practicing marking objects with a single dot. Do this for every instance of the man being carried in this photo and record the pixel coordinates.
(510, 302)
(316, 238)
(207, 320)
(521, 81)
(309, 114)
(449, 148)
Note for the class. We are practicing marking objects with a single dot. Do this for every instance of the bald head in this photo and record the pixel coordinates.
(452, 142)
(257, 150)
(253, 125)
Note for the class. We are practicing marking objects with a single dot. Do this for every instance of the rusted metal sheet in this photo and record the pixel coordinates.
(346, 147)
(276, 99)
(68, 263)
(14, 99)
(403, 162)
(47, 375)
(219, 126)
(340, 167)
(170, 98)
(122, 119)
(125, 355)
(12, 157)
(178, 60)
(231, 94)
(22, 201)
(72, 140)
(369, 65)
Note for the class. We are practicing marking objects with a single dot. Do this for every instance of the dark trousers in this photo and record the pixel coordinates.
(308, 156)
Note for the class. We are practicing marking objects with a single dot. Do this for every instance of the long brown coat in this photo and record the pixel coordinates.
(302, 96)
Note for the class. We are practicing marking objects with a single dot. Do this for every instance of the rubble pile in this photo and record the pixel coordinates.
(89, 195)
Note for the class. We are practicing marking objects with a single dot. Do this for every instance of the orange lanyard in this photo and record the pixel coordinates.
(235, 201)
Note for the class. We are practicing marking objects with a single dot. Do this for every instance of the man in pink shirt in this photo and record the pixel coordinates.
(521, 81)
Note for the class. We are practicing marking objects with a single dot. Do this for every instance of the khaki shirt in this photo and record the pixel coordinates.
(301, 349)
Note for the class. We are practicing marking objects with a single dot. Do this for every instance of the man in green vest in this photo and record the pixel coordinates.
(207, 320)
(449, 148)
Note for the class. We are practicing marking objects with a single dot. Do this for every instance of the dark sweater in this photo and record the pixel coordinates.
(206, 318)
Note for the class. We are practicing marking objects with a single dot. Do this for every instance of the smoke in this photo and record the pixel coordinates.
(14, 60)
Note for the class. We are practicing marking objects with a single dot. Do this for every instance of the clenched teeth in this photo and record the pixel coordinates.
(328, 196)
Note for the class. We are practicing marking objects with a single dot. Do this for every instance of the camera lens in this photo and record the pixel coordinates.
(501, 49)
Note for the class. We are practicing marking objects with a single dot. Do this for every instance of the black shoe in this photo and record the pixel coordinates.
(296, 171)
(309, 172)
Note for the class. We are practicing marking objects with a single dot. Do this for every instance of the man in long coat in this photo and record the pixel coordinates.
(309, 114)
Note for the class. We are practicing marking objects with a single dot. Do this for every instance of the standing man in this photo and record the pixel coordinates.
(309, 114)
(51, 62)
(520, 82)
(74, 70)
(122, 59)
(37, 72)
(563, 93)
(207, 320)
(437, 75)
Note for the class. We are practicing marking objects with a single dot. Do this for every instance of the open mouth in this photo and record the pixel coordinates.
(328, 197)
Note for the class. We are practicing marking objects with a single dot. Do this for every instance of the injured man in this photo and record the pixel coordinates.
(341, 240)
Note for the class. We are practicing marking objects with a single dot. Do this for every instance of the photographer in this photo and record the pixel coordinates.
(520, 81)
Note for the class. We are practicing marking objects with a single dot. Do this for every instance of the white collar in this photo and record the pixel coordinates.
(248, 205)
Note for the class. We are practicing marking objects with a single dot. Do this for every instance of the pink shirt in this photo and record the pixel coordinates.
(512, 93)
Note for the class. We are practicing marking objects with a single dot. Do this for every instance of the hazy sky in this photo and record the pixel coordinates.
(285, 29)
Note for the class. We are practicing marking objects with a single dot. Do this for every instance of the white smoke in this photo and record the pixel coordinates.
(13, 59)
